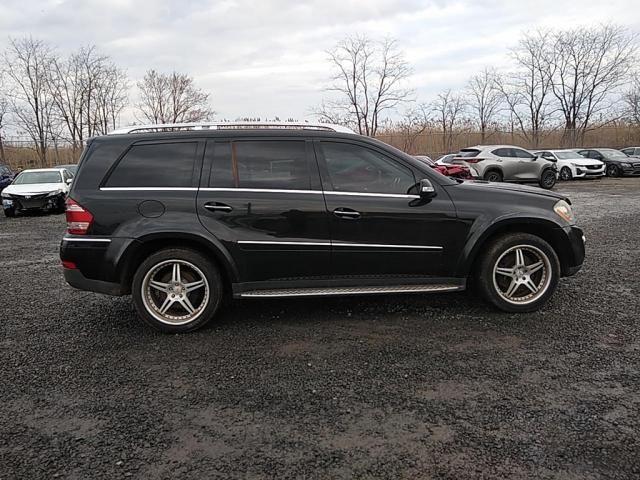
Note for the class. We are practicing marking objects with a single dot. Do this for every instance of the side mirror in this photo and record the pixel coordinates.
(426, 189)
(68, 181)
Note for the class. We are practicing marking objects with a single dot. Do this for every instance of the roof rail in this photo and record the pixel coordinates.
(176, 127)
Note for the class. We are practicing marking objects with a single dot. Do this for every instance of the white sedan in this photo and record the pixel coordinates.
(573, 165)
(43, 189)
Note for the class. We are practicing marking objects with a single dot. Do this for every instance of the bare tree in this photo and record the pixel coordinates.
(527, 91)
(485, 99)
(368, 81)
(414, 123)
(4, 109)
(28, 63)
(632, 100)
(447, 109)
(172, 98)
(587, 65)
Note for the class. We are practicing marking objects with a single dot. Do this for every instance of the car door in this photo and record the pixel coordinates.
(528, 165)
(261, 198)
(506, 161)
(380, 231)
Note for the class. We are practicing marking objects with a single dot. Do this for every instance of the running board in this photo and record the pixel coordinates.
(330, 291)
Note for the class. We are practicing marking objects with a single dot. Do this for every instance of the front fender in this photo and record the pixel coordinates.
(485, 228)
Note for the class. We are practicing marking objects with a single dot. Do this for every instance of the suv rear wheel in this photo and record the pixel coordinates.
(518, 273)
(493, 176)
(177, 290)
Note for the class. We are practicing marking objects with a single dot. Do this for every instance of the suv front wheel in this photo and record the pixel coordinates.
(548, 179)
(177, 290)
(518, 273)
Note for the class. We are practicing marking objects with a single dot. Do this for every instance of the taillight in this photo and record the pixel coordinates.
(473, 160)
(78, 219)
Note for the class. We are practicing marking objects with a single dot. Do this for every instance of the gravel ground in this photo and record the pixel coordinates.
(371, 387)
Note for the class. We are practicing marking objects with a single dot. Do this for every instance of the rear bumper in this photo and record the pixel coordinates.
(98, 263)
(76, 279)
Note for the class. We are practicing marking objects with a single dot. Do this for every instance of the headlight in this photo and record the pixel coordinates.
(4, 195)
(54, 193)
(625, 164)
(563, 209)
(574, 164)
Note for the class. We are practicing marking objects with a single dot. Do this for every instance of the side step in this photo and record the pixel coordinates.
(330, 291)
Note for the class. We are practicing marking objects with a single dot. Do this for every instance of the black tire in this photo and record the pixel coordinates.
(10, 212)
(612, 170)
(565, 174)
(144, 299)
(493, 176)
(547, 179)
(531, 245)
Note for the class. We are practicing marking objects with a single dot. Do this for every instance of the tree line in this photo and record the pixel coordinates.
(574, 80)
(53, 99)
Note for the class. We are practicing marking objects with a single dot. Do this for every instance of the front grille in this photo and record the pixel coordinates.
(594, 167)
(636, 165)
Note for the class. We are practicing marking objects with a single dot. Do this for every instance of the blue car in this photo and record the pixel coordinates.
(6, 177)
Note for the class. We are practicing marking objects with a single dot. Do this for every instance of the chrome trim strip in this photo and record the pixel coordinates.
(330, 244)
(319, 292)
(267, 242)
(384, 245)
(359, 194)
(74, 239)
(259, 190)
(149, 189)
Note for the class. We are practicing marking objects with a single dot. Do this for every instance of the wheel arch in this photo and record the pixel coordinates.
(139, 250)
(493, 168)
(543, 228)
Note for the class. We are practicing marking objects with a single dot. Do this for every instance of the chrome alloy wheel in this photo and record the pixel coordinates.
(522, 274)
(175, 292)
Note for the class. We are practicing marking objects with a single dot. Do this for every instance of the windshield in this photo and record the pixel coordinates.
(611, 153)
(568, 155)
(28, 178)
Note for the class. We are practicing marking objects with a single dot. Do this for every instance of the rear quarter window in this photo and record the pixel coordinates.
(155, 165)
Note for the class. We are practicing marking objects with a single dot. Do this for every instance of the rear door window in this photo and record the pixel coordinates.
(155, 165)
(519, 153)
(503, 152)
(261, 164)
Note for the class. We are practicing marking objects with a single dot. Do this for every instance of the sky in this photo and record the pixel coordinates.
(268, 57)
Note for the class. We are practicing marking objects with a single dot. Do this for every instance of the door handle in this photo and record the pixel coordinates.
(218, 207)
(346, 213)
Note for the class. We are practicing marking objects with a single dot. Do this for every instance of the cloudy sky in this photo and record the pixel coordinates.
(267, 57)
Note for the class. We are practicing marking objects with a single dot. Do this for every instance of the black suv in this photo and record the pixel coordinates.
(180, 216)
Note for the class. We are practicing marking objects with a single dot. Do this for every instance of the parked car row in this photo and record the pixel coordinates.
(509, 163)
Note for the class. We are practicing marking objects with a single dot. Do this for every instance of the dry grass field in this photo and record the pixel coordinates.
(431, 142)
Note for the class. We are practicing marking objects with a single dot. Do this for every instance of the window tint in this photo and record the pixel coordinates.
(521, 153)
(155, 165)
(260, 164)
(503, 152)
(627, 151)
(468, 153)
(353, 168)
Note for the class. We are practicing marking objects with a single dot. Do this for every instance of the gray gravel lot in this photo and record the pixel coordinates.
(373, 387)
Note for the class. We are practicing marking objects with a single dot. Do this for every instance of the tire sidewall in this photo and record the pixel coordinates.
(547, 174)
(208, 268)
(484, 272)
(497, 176)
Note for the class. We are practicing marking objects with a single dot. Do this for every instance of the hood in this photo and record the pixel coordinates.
(582, 162)
(33, 188)
(511, 187)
